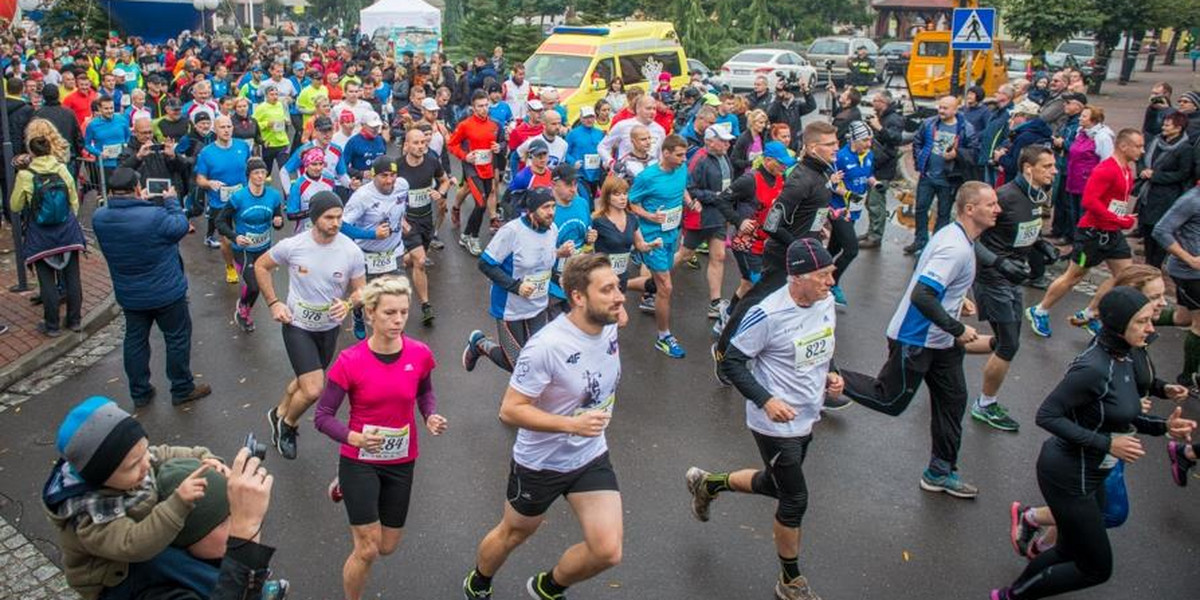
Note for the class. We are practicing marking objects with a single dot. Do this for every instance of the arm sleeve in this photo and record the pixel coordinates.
(927, 300)
(492, 270)
(454, 144)
(224, 222)
(775, 225)
(426, 399)
(357, 233)
(325, 416)
(741, 191)
(1081, 385)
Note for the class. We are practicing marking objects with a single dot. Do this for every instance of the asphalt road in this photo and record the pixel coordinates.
(869, 533)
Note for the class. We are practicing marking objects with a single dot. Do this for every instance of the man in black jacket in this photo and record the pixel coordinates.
(151, 159)
(888, 126)
(710, 174)
(62, 118)
(760, 98)
(789, 109)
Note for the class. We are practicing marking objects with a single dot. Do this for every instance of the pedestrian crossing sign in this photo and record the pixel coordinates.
(973, 28)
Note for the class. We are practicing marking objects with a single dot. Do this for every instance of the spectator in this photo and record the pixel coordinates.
(995, 132)
(616, 93)
(20, 113)
(1157, 110)
(62, 119)
(152, 160)
(749, 145)
(940, 151)
(888, 125)
(1062, 225)
(1189, 104)
(760, 97)
(788, 109)
(53, 240)
(847, 111)
(1164, 173)
(140, 242)
(1093, 143)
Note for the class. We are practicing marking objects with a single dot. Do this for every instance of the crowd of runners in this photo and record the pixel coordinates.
(339, 167)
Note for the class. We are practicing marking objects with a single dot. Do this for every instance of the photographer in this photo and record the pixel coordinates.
(1159, 108)
(151, 159)
(790, 109)
(888, 125)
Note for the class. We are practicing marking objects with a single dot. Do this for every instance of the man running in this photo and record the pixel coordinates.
(638, 158)
(374, 219)
(323, 267)
(519, 261)
(481, 135)
(427, 186)
(710, 175)
(1106, 202)
(927, 341)
(780, 360)
(561, 398)
(221, 171)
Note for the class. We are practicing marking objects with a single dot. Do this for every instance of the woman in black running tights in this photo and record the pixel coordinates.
(1092, 413)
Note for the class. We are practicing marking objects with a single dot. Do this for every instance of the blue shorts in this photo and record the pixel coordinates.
(660, 260)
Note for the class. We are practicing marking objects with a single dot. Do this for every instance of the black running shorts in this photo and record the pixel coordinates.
(532, 492)
(375, 493)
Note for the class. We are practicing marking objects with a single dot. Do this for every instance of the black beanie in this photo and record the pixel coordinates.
(321, 202)
(806, 255)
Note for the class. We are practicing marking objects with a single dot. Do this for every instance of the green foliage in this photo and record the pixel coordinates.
(76, 18)
(490, 23)
(273, 9)
(337, 13)
(1045, 24)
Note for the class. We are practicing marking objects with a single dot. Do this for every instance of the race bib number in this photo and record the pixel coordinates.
(420, 198)
(279, 126)
(820, 219)
(227, 191)
(1027, 233)
(482, 157)
(541, 284)
(111, 150)
(814, 349)
(591, 161)
(395, 443)
(619, 262)
(1119, 207)
(255, 240)
(312, 317)
(673, 217)
(130, 77)
(379, 263)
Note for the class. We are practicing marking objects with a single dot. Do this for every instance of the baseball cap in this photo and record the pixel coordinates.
(549, 91)
(535, 105)
(806, 255)
(323, 123)
(777, 151)
(563, 172)
(494, 88)
(305, 57)
(172, 103)
(1075, 97)
(586, 111)
(383, 164)
(372, 120)
(538, 147)
(711, 100)
(1026, 107)
(714, 132)
(297, 65)
(430, 104)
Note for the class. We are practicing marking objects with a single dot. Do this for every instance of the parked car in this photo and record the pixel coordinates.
(895, 54)
(740, 71)
(1082, 51)
(840, 50)
(1017, 66)
(1057, 61)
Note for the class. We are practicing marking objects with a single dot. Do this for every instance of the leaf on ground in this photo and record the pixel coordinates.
(905, 555)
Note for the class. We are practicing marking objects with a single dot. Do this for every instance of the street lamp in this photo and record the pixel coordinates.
(203, 5)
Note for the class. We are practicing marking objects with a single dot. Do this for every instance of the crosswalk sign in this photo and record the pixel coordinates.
(973, 28)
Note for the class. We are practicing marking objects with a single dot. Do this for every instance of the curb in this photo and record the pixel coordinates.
(99, 317)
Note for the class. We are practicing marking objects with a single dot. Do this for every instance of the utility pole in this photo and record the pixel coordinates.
(956, 61)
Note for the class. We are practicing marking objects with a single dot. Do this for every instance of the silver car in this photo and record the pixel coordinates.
(839, 50)
(740, 71)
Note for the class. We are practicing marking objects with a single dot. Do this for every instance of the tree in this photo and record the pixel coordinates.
(273, 9)
(1044, 24)
(1132, 17)
(75, 18)
(493, 23)
(452, 18)
(339, 13)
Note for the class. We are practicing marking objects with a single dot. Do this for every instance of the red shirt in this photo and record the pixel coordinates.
(80, 104)
(479, 134)
(624, 113)
(523, 131)
(1106, 200)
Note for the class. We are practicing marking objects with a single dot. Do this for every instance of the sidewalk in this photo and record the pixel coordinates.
(1125, 105)
(23, 349)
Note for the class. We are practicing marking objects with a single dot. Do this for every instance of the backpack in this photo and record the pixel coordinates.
(51, 201)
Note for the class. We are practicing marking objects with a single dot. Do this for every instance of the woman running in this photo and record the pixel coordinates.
(617, 233)
(385, 377)
(247, 221)
(1093, 414)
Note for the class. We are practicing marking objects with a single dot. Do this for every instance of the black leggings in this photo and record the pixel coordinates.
(270, 155)
(1082, 556)
(511, 337)
(783, 477)
(843, 244)
(49, 280)
(479, 189)
(245, 264)
(773, 277)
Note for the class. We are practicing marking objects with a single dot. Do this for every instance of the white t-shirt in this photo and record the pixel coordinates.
(367, 208)
(616, 144)
(558, 149)
(948, 266)
(568, 372)
(791, 346)
(318, 274)
(527, 254)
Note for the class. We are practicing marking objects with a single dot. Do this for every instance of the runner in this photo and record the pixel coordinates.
(657, 197)
(221, 170)
(374, 219)
(1093, 414)
(710, 175)
(518, 261)
(617, 233)
(335, 163)
(385, 378)
(561, 399)
(247, 221)
(311, 182)
(638, 158)
(927, 341)
(574, 225)
(856, 162)
(480, 134)
(1106, 201)
(780, 360)
(427, 187)
(1178, 232)
(536, 173)
(323, 267)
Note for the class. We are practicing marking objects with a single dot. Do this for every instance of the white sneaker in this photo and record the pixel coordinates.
(474, 247)
(465, 241)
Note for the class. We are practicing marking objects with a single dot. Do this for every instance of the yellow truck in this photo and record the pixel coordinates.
(931, 62)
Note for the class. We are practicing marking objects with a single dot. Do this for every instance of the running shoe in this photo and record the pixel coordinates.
(471, 353)
(288, 440)
(1038, 321)
(712, 350)
(1020, 531)
(535, 587)
(670, 346)
(212, 242)
(436, 243)
(950, 484)
(241, 314)
(912, 249)
(474, 247)
(360, 327)
(495, 224)
(796, 589)
(835, 403)
(994, 415)
(464, 240)
(702, 248)
(717, 308)
(1180, 463)
(695, 478)
(647, 304)
(1080, 319)
(693, 262)
(231, 275)
(839, 297)
(273, 420)
(428, 262)
(471, 591)
(427, 314)
(275, 589)
(335, 490)
(999, 595)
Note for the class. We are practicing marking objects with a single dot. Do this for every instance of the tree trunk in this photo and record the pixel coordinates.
(1100, 70)
(1173, 46)
(1132, 47)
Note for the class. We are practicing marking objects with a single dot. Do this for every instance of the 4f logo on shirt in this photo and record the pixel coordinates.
(573, 359)
(612, 346)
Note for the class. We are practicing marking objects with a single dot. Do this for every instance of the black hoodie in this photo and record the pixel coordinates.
(64, 121)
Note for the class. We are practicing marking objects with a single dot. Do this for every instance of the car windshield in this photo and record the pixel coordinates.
(829, 47)
(1017, 64)
(1077, 48)
(558, 70)
(896, 47)
(752, 57)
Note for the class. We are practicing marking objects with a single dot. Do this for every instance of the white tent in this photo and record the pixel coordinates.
(399, 14)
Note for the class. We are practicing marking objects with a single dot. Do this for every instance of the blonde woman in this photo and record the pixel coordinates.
(385, 377)
(749, 145)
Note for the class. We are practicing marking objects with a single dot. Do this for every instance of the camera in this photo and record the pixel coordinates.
(1159, 100)
(789, 82)
(156, 147)
(257, 449)
(829, 64)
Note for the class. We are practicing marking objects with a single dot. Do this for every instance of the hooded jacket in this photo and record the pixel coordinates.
(140, 242)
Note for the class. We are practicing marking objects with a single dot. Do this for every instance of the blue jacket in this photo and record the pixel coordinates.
(582, 141)
(1034, 132)
(103, 132)
(140, 242)
(923, 143)
(994, 134)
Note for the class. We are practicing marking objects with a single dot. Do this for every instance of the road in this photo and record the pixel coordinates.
(869, 533)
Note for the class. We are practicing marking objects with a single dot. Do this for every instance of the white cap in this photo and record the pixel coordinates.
(714, 131)
(118, 72)
(535, 105)
(372, 120)
(586, 111)
(1026, 107)
(549, 91)
(305, 57)
(430, 104)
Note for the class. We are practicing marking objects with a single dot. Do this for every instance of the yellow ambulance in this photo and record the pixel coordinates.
(581, 61)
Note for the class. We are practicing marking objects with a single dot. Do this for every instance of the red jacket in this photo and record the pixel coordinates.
(80, 104)
(1106, 197)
